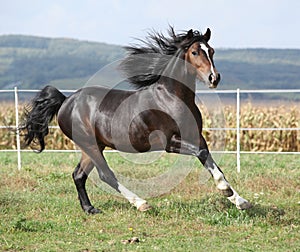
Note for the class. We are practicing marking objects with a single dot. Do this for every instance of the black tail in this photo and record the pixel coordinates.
(39, 114)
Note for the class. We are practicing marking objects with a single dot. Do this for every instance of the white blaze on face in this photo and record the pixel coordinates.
(205, 49)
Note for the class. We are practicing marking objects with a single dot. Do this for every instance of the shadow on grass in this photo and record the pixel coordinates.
(266, 212)
(218, 211)
(110, 205)
(115, 205)
(211, 210)
(256, 211)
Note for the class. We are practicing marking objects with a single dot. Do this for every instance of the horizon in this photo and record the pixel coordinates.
(137, 39)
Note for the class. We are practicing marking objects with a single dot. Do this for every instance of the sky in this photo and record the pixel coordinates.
(234, 23)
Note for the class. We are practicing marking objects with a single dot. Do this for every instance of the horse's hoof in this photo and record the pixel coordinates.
(145, 207)
(244, 205)
(92, 210)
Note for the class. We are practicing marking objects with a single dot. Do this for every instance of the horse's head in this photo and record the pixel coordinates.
(200, 56)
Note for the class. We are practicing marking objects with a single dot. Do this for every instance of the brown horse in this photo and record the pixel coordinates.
(159, 114)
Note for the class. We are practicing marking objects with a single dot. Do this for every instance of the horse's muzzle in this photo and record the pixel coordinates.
(214, 80)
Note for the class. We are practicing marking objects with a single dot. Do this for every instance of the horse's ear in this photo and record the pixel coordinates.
(190, 34)
(207, 34)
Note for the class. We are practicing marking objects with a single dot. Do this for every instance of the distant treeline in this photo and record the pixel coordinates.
(32, 62)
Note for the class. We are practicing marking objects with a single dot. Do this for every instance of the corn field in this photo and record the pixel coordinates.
(250, 140)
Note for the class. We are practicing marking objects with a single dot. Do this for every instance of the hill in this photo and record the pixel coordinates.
(32, 62)
(259, 68)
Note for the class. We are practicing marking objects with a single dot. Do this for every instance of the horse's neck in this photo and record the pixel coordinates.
(177, 79)
(172, 93)
(183, 89)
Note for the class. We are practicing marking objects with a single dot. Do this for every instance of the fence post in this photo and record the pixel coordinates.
(17, 128)
(238, 147)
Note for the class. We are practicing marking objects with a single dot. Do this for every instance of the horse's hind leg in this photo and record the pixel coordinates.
(80, 175)
(107, 175)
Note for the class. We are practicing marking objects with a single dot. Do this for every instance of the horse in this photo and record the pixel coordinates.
(159, 113)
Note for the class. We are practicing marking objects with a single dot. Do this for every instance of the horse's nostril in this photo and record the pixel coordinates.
(215, 79)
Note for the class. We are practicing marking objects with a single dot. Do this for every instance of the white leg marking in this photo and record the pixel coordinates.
(131, 197)
(240, 202)
(222, 184)
(218, 176)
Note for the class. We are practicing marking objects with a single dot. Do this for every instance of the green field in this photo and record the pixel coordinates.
(39, 210)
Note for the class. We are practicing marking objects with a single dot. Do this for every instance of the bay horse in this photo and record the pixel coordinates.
(158, 114)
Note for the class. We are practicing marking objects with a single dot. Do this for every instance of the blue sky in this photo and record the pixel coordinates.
(234, 23)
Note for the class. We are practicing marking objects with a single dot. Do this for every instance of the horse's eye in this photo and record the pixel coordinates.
(194, 53)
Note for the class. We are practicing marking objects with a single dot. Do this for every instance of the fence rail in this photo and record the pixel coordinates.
(238, 129)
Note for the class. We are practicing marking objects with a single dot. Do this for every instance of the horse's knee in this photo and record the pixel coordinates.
(109, 178)
(75, 172)
(203, 155)
(80, 179)
(79, 176)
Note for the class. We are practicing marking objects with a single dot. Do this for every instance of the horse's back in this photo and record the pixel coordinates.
(80, 109)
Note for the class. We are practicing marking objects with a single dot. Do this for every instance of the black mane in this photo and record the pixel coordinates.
(145, 63)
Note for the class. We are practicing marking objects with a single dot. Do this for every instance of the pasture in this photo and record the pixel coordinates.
(39, 209)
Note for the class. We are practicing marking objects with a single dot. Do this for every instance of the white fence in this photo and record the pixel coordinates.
(238, 129)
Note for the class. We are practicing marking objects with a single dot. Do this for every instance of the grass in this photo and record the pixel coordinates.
(39, 210)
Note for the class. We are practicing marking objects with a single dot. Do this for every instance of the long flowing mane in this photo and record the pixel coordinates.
(144, 64)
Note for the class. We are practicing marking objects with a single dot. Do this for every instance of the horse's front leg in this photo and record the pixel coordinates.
(178, 145)
(221, 182)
